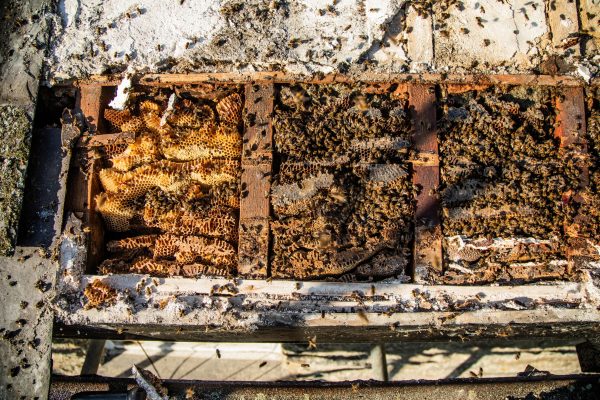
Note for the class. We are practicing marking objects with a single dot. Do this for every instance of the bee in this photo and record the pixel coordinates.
(312, 343)
(189, 392)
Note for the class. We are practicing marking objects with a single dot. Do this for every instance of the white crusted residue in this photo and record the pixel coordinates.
(122, 96)
(169, 109)
(459, 242)
(584, 72)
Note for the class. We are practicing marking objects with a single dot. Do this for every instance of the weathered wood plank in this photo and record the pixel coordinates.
(396, 311)
(428, 233)
(571, 129)
(258, 134)
(257, 158)
(90, 104)
(254, 202)
(92, 218)
(281, 77)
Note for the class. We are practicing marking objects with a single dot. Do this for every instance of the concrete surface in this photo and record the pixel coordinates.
(272, 361)
(26, 289)
(15, 131)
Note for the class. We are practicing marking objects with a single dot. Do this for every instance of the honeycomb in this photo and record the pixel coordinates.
(161, 268)
(503, 173)
(183, 249)
(99, 294)
(170, 198)
(343, 202)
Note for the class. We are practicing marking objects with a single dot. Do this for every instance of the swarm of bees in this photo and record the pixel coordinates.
(342, 202)
(503, 172)
(590, 207)
(340, 123)
(176, 182)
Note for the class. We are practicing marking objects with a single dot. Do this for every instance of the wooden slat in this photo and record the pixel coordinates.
(90, 104)
(428, 233)
(257, 157)
(571, 129)
(280, 77)
(93, 220)
(258, 135)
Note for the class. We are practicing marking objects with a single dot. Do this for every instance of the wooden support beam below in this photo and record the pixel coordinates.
(428, 231)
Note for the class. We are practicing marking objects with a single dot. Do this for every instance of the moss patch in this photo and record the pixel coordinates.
(15, 141)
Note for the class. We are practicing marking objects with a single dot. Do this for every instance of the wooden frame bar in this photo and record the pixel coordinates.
(282, 77)
(571, 130)
(426, 176)
(257, 159)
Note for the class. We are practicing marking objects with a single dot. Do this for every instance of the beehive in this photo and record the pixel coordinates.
(344, 182)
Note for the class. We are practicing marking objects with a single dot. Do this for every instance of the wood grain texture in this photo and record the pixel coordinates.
(258, 134)
(281, 77)
(426, 177)
(92, 218)
(571, 130)
(257, 160)
(90, 104)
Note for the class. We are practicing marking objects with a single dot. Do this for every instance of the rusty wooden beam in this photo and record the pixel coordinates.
(90, 104)
(281, 77)
(426, 177)
(571, 130)
(257, 159)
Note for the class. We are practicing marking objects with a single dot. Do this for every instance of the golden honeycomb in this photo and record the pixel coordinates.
(99, 294)
(170, 198)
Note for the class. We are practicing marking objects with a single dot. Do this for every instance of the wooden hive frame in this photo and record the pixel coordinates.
(257, 159)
